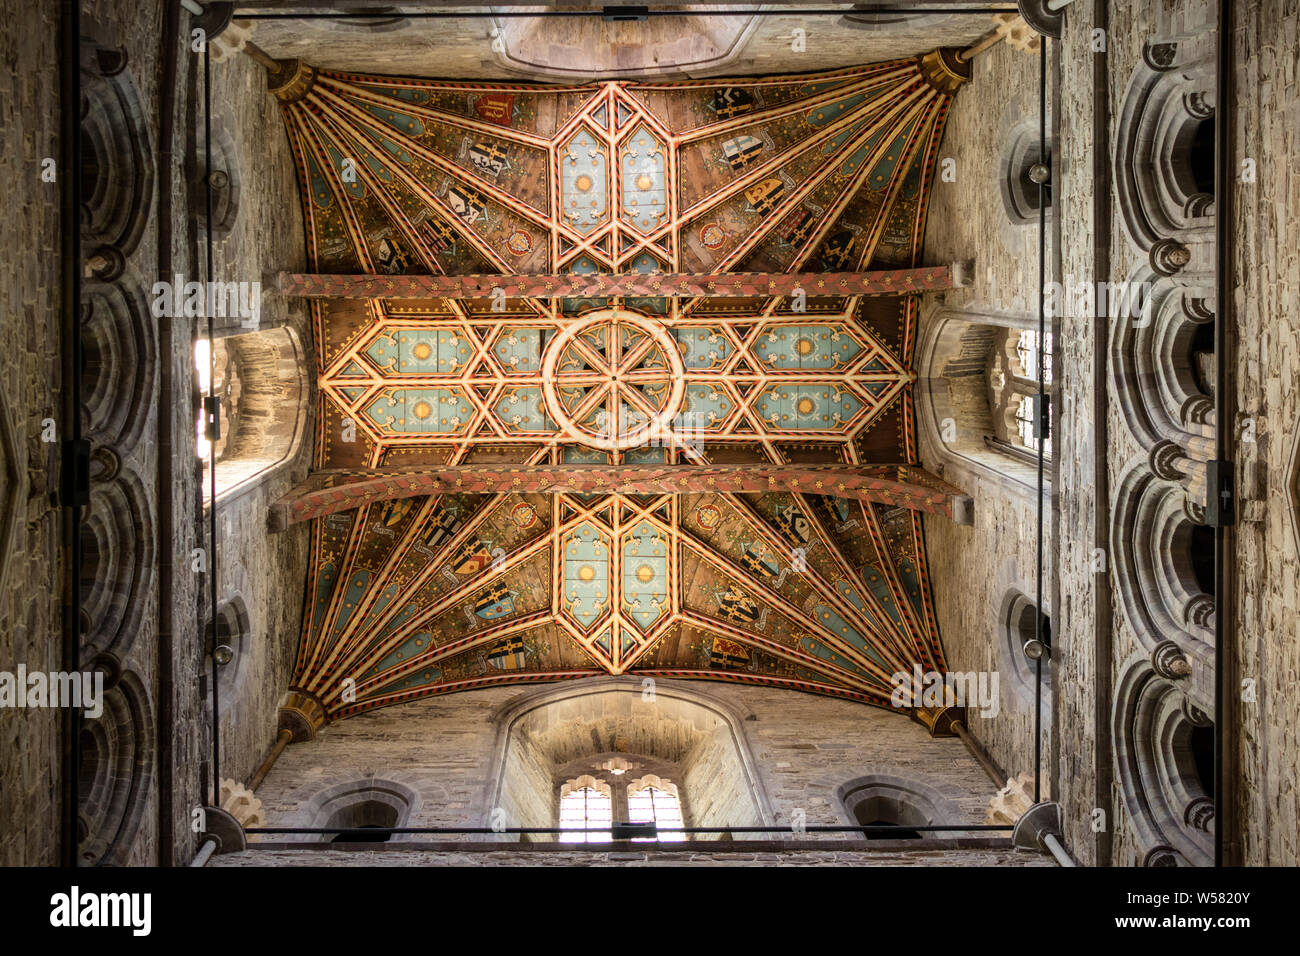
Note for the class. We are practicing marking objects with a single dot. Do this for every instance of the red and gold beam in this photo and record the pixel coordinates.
(656, 284)
(327, 492)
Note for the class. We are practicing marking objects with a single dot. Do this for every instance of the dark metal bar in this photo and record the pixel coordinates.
(212, 448)
(1223, 631)
(1041, 420)
(1102, 624)
(599, 12)
(371, 831)
(70, 385)
(163, 485)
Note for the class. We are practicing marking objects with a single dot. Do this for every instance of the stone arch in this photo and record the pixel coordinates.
(1162, 565)
(119, 363)
(680, 733)
(956, 353)
(1165, 125)
(118, 546)
(591, 47)
(866, 17)
(117, 158)
(232, 630)
(1017, 620)
(264, 397)
(1165, 773)
(375, 23)
(1162, 350)
(365, 802)
(895, 800)
(225, 180)
(116, 773)
(1021, 149)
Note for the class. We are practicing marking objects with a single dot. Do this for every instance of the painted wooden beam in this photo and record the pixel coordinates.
(598, 285)
(327, 492)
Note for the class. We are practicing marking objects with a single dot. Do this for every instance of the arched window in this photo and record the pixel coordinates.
(1164, 153)
(228, 644)
(586, 804)
(1019, 625)
(1013, 389)
(884, 800)
(651, 800)
(262, 399)
(116, 774)
(1163, 565)
(1020, 194)
(607, 738)
(117, 169)
(978, 382)
(1164, 752)
(368, 804)
(373, 815)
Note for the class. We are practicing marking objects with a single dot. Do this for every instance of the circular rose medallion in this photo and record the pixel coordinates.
(613, 379)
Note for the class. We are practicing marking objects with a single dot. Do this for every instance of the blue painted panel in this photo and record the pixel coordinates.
(644, 181)
(645, 575)
(523, 410)
(584, 179)
(796, 347)
(586, 575)
(702, 348)
(420, 351)
(519, 349)
(808, 406)
(421, 411)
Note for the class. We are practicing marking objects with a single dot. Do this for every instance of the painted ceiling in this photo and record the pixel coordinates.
(814, 173)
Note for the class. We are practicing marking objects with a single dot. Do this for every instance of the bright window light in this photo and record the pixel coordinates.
(1025, 425)
(584, 808)
(660, 807)
(202, 447)
(203, 374)
(203, 364)
(1027, 352)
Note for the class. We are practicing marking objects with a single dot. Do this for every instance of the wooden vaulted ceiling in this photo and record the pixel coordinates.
(487, 585)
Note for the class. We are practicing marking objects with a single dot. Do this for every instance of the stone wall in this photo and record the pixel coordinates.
(711, 777)
(527, 782)
(896, 853)
(265, 571)
(548, 49)
(147, 758)
(1100, 641)
(1081, 505)
(30, 578)
(799, 748)
(975, 567)
(1266, 339)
